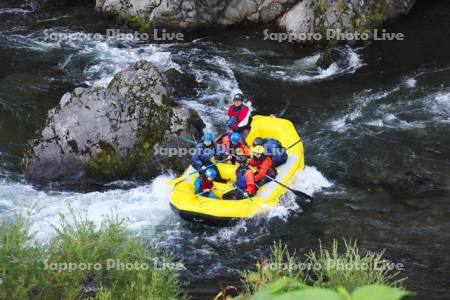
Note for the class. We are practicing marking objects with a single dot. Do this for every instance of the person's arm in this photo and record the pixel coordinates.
(242, 117)
(197, 185)
(217, 153)
(250, 180)
(262, 170)
(252, 162)
(196, 158)
(231, 120)
(230, 110)
(245, 150)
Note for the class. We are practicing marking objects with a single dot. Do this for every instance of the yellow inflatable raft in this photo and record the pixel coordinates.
(192, 207)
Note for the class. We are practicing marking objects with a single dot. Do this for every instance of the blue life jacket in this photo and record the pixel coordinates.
(203, 155)
(276, 150)
(240, 177)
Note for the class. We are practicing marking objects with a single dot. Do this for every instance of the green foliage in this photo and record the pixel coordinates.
(344, 270)
(273, 269)
(139, 23)
(20, 263)
(28, 271)
(369, 268)
(319, 7)
(290, 289)
(107, 165)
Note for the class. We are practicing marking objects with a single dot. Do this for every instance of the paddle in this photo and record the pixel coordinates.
(299, 141)
(242, 192)
(181, 178)
(297, 193)
(190, 141)
(284, 110)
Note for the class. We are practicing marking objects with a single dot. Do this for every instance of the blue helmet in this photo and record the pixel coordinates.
(207, 137)
(235, 138)
(211, 173)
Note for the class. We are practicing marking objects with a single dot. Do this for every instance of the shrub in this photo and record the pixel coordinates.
(28, 269)
(321, 270)
(290, 289)
(331, 275)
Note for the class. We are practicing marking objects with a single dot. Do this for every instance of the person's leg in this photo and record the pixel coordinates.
(211, 195)
(263, 181)
(233, 195)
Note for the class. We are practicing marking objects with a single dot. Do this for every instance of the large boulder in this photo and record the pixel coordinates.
(112, 133)
(191, 14)
(347, 16)
(181, 84)
(298, 17)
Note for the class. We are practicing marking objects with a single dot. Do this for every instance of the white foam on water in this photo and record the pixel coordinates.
(144, 207)
(421, 112)
(363, 100)
(390, 120)
(303, 70)
(439, 105)
(107, 56)
(236, 232)
(17, 11)
(310, 181)
(212, 103)
(350, 64)
(410, 82)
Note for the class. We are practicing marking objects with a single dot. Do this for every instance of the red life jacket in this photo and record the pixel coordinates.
(241, 114)
(206, 184)
(245, 180)
(264, 167)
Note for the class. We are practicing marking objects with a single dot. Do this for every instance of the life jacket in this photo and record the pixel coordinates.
(276, 150)
(228, 146)
(236, 148)
(245, 180)
(202, 183)
(264, 167)
(203, 155)
(240, 114)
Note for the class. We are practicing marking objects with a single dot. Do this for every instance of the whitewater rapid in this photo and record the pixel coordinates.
(146, 207)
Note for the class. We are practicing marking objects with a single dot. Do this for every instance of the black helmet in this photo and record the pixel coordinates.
(238, 97)
(258, 142)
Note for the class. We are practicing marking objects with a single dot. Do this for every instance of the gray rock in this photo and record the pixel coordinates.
(110, 133)
(190, 14)
(293, 16)
(181, 85)
(309, 16)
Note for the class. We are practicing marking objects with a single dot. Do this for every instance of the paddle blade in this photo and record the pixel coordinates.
(303, 195)
(176, 180)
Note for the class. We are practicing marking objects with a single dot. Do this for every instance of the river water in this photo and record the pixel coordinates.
(375, 125)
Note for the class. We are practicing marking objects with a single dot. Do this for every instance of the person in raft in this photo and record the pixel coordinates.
(204, 153)
(238, 115)
(234, 146)
(263, 165)
(245, 181)
(238, 119)
(204, 184)
(274, 149)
